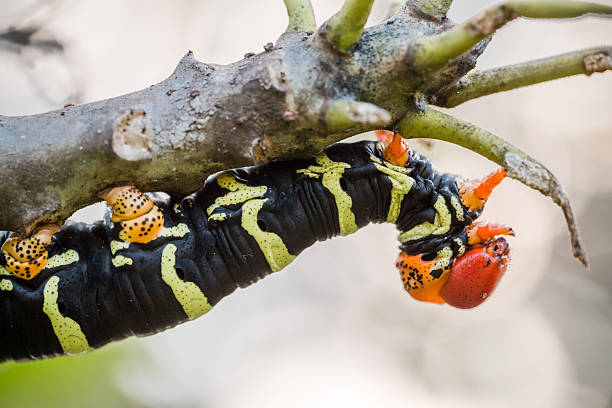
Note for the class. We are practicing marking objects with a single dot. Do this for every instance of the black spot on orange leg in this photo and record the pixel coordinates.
(422, 279)
(140, 219)
(26, 257)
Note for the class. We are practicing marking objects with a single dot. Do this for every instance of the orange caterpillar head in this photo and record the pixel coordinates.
(140, 219)
(465, 281)
(469, 264)
(26, 257)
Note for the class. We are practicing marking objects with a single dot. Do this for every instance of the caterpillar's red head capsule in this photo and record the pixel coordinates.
(474, 194)
(395, 148)
(475, 275)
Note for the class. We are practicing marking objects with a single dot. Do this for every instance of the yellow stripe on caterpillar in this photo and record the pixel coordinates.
(67, 331)
(332, 172)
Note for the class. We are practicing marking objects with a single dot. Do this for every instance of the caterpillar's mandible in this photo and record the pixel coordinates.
(152, 265)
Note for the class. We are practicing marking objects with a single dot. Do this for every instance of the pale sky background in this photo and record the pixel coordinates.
(336, 328)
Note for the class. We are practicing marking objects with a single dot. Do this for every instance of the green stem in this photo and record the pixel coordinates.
(482, 83)
(432, 124)
(434, 52)
(344, 28)
(301, 16)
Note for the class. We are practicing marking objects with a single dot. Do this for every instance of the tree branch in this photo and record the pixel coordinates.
(344, 28)
(290, 101)
(205, 118)
(301, 16)
(434, 52)
(482, 83)
(432, 124)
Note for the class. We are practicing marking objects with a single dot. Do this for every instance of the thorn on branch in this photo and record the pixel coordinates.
(301, 16)
(343, 114)
(428, 54)
(432, 124)
(344, 28)
(482, 83)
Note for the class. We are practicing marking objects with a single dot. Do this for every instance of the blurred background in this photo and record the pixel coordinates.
(336, 328)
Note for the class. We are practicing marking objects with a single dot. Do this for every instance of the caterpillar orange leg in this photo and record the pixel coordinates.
(474, 194)
(141, 221)
(395, 148)
(482, 233)
(26, 257)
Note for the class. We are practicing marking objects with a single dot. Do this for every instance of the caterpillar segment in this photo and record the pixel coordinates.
(101, 283)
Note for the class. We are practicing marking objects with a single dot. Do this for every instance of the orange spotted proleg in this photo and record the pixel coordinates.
(140, 218)
(26, 257)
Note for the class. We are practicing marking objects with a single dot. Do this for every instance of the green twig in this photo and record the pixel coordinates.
(343, 114)
(482, 83)
(432, 124)
(434, 52)
(301, 16)
(344, 28)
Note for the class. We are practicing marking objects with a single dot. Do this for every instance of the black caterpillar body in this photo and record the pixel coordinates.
(241, 226)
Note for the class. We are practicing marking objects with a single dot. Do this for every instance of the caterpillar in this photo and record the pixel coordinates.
(149, 266)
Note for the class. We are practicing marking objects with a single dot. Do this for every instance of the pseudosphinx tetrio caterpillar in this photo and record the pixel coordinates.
(154, 265)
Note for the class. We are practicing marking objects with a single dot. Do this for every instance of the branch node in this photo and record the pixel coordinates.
(131, 136)
(343, 114)
(597, 62)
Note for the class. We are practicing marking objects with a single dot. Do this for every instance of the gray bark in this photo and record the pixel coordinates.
(205, 118)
